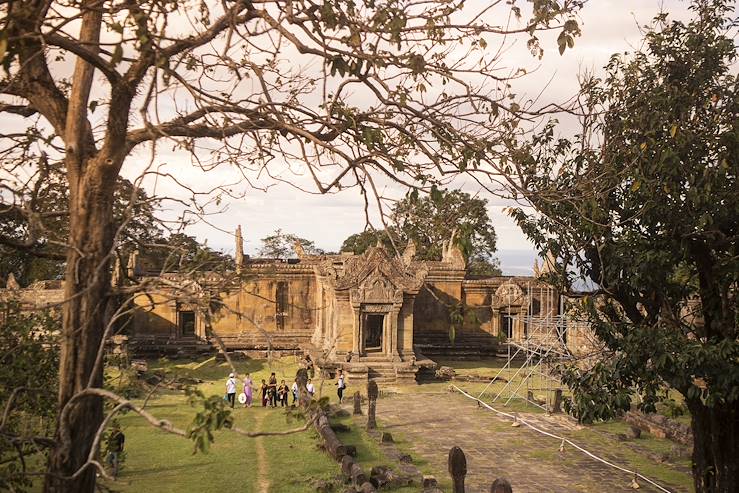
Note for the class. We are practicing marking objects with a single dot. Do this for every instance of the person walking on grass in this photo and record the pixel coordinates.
(231, 389)
(295, 392)
(265, 393)
(273, 390)
(310, 388)
(340, 386)
(248, 390)
(115, 448)
(282, 392)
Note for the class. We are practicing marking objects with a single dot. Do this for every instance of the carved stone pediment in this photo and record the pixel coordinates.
(509, 294)
(377, 275)
(376, 288)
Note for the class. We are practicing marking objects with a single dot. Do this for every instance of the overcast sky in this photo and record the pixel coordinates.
(609, 26)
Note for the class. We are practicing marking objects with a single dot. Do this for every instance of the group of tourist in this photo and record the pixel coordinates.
(272, 393)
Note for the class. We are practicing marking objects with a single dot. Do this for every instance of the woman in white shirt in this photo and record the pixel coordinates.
(231, 389)
(341, 385)
(310, 388)
(295, 391)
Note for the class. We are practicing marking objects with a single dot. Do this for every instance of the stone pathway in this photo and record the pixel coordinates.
(433, 423)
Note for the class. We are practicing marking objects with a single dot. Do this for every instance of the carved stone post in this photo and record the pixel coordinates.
(357, 403)
(372, 393)
(302, 378)
(501, 485)
(457, 469)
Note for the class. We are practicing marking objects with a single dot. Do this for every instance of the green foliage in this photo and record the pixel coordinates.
(358, 243)
(181, 252)
(596, 395)
(214, 416)
(121, 379)
(671, 408)
(282, 245)
(644, 204)
(29, 358)
(133, 218)
(430, 220)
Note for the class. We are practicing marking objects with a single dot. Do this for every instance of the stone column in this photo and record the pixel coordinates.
(495, 322)
(357, 341)
(395, 314)
(405, 338)
(520, 324)
(386, 333)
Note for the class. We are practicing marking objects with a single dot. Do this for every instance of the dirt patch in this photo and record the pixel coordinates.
(262, 467)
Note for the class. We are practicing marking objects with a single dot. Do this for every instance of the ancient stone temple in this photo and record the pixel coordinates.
(369, 300)
(376, 315)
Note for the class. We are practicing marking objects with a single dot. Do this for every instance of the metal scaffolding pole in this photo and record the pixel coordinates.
(541, 345)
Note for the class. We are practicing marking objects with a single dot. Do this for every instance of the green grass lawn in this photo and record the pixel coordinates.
(639, 455)
(160, 462)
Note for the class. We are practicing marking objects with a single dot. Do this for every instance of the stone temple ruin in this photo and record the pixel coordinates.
(377, 315)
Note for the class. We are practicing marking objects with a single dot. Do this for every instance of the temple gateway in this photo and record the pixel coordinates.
(376, 315)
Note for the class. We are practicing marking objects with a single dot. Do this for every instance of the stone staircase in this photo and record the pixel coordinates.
(379, 368)
(290, 340)
(151, 347)
(381, 372)
(465, 346)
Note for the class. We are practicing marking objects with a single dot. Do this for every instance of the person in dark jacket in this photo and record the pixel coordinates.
(273, 390)
(282, 393)
(265, 393)
(116, 440)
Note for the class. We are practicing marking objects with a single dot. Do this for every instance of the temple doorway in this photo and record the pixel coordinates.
(187, 323)
(373, 325)
(507, 322)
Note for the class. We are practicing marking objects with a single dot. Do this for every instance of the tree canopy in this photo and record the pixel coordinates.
(643, 203)
(182, 253)
(358, 243)
(35, 249)
(282, 245)
(30, 362)
(429, 221)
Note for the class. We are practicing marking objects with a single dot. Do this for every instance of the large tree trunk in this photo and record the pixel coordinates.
(715, 447)
(85, 316)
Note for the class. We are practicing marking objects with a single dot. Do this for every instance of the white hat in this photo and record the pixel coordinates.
(230, 375)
